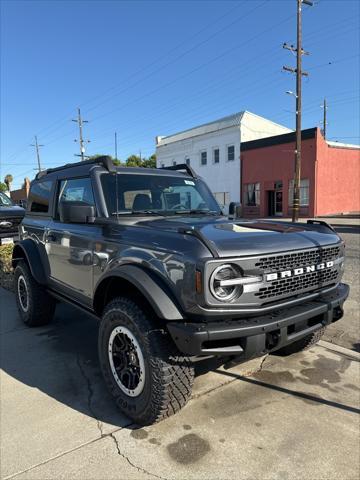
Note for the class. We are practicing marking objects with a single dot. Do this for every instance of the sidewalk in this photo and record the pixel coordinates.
(343, 220)
(294, 417)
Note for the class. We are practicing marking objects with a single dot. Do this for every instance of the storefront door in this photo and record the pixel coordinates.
(278, 203)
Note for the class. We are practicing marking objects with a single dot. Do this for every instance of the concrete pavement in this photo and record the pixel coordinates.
(297, 417)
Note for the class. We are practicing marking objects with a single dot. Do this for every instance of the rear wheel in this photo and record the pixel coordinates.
(36, 307)
(146, 374)
(302, 344)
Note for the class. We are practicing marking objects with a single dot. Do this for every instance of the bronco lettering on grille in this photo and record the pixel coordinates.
(298, 271)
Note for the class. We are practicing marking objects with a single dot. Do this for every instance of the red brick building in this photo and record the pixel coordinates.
(330, 176)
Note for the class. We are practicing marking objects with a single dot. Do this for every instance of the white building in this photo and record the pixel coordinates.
(213, 150)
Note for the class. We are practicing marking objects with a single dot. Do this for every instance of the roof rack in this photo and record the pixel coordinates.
(182, 166)
(104, 160)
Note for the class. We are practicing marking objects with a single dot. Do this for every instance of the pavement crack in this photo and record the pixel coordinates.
(90, 395)
(139, 469)
(262, 364)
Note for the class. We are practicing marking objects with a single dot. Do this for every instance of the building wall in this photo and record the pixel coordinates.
(276, 163)
(338, 179)
(222, 177)
(20, 196)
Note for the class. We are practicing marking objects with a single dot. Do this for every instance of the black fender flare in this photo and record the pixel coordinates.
(151, 288)
(27, 249)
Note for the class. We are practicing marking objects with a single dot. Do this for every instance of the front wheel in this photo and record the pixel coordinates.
(146, 374)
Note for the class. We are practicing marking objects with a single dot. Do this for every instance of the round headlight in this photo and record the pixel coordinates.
(221, 285)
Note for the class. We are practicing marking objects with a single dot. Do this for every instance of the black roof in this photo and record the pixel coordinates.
(105, 162)
(277, 139)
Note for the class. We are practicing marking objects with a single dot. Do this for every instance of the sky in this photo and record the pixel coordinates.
(148, 68)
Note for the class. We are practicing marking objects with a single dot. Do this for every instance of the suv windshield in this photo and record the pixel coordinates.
(5, 201)
(157, 195)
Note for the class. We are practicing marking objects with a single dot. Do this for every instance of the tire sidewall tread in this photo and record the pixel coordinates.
(168, 374)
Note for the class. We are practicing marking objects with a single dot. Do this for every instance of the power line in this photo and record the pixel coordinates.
(331, 26)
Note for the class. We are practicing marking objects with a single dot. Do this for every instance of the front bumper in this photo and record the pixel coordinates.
(255, 336)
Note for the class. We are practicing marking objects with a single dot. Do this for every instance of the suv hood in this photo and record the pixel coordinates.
(11, 211)
(231, 238)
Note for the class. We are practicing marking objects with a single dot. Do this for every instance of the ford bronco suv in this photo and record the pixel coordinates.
(150, 254)
(10, 219)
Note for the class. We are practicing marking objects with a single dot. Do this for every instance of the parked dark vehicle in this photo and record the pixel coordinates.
(10, 219)
(171, 279)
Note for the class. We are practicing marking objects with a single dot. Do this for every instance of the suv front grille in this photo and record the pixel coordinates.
(298, 259)
(295, 285)
(15, 221)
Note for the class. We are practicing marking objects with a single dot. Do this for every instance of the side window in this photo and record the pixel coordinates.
(231, 153)
(203, 157)
(76, 190)
(39, 197)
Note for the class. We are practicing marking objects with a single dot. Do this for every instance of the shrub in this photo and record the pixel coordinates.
(5, 258)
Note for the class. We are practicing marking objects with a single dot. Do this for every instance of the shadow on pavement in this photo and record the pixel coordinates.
(61, 361)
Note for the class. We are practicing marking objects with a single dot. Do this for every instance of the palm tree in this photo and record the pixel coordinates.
(8, 180)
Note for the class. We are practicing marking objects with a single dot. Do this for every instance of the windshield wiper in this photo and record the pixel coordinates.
(138, 212)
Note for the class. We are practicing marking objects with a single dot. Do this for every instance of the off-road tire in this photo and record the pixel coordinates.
(302, 344)
(40, 305)
(168, 374)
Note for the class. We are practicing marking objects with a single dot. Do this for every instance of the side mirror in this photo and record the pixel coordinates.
(76, 212)
(235, 210)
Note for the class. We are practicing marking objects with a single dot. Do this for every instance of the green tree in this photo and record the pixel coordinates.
(3, 187)
(8, 181)
(150, 162)
(134, 161)
(116, 161)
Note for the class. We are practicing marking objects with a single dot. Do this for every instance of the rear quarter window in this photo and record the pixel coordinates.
(39, 197)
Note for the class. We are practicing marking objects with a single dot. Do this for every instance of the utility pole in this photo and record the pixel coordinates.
(299, 74)
(37, 147)
(81, 140)
(324, 106)
(116, 146)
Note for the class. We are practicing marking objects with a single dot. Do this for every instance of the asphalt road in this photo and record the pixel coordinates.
(346, 332)
(296, 417)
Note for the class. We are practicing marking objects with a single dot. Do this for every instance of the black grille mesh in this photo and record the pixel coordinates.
(294, 285)
(15, 224)
(298, 259)
(301, 283)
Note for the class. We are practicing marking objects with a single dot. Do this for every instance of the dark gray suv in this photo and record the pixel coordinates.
(171, 279)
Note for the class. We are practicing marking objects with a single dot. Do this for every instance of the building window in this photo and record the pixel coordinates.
(204, 157)
(187, 160)
(222, 198)
(231, 153)
(304, 192)
(216, 154)
(252, 195)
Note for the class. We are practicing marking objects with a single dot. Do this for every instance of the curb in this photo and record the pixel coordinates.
(336, 348)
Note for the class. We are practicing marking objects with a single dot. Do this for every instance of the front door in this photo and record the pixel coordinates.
(278, 203)
(70, 246)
